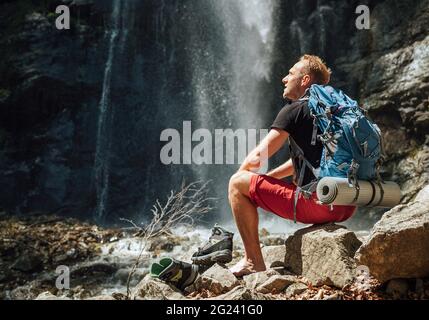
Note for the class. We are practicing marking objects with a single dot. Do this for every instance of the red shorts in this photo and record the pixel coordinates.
(277, 196)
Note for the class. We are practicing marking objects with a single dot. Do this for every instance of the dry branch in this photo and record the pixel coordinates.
(182, 208)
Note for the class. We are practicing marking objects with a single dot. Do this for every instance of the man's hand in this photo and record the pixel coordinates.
(274, 140)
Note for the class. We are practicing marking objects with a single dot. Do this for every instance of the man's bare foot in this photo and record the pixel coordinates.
(245, 267)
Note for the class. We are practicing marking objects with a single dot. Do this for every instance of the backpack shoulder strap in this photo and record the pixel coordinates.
(300, 163)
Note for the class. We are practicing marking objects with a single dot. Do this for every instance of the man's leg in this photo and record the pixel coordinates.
(247, 220)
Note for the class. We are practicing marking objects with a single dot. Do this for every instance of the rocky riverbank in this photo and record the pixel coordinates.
(327, 262)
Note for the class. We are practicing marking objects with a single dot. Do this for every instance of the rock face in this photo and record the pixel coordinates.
(398, 246)
(323, 254)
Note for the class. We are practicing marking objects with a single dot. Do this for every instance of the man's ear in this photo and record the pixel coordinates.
(306, 80)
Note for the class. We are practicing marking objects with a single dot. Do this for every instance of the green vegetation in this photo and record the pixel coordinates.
(52, 15)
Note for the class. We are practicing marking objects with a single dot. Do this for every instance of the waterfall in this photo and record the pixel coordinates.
(167, 64)
(247, 27)
(103, 143)
(228, 89)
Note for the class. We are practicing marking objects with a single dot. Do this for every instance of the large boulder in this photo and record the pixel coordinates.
(323, 254)
(274, 256)
(217, 280)
(153, 289)
(398, 246)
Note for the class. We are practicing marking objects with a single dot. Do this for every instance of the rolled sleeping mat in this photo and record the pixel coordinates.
(336, 191)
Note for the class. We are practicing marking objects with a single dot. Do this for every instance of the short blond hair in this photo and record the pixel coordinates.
(320, 73)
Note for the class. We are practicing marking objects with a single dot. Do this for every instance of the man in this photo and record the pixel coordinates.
(248, 190)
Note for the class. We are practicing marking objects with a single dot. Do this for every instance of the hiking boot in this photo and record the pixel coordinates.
(178, 273)
(217, 250)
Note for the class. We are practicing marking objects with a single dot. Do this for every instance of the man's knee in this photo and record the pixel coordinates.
(239, 183)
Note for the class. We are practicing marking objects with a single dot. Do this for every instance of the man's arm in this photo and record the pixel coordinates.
(282, 171)
(274, 140)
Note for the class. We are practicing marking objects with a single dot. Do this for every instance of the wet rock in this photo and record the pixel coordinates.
(217, 280)
(295, 289)
(398, 246)
(252, 281)
(274, 256)
(323, 254)
(397, 288)
(95, 268)
(122, 275)
(153, 289)
(276, 284)
(166, 243)
(28, 263)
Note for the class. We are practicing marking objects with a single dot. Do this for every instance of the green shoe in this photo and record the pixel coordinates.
(178, 273)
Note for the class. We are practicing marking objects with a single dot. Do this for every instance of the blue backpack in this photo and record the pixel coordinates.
(352, 144)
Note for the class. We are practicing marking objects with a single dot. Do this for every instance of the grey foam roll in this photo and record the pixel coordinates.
(337, 191)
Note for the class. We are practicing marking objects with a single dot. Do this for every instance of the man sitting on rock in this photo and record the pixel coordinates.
(248, 190)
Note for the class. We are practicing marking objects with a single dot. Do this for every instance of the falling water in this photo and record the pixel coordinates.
(101, 166)
(229, 94)
(226, 47)
(248, 40)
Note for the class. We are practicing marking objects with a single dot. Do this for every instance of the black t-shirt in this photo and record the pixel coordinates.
(296, 120)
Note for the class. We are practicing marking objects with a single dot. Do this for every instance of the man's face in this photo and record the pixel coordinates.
(296, 82)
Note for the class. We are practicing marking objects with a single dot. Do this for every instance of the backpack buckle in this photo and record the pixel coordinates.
(352, 174)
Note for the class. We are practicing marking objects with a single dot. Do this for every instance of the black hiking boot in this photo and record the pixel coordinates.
(178, 273)
(217, 250)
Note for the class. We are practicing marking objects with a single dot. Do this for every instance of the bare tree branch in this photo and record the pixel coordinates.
(182, 208)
